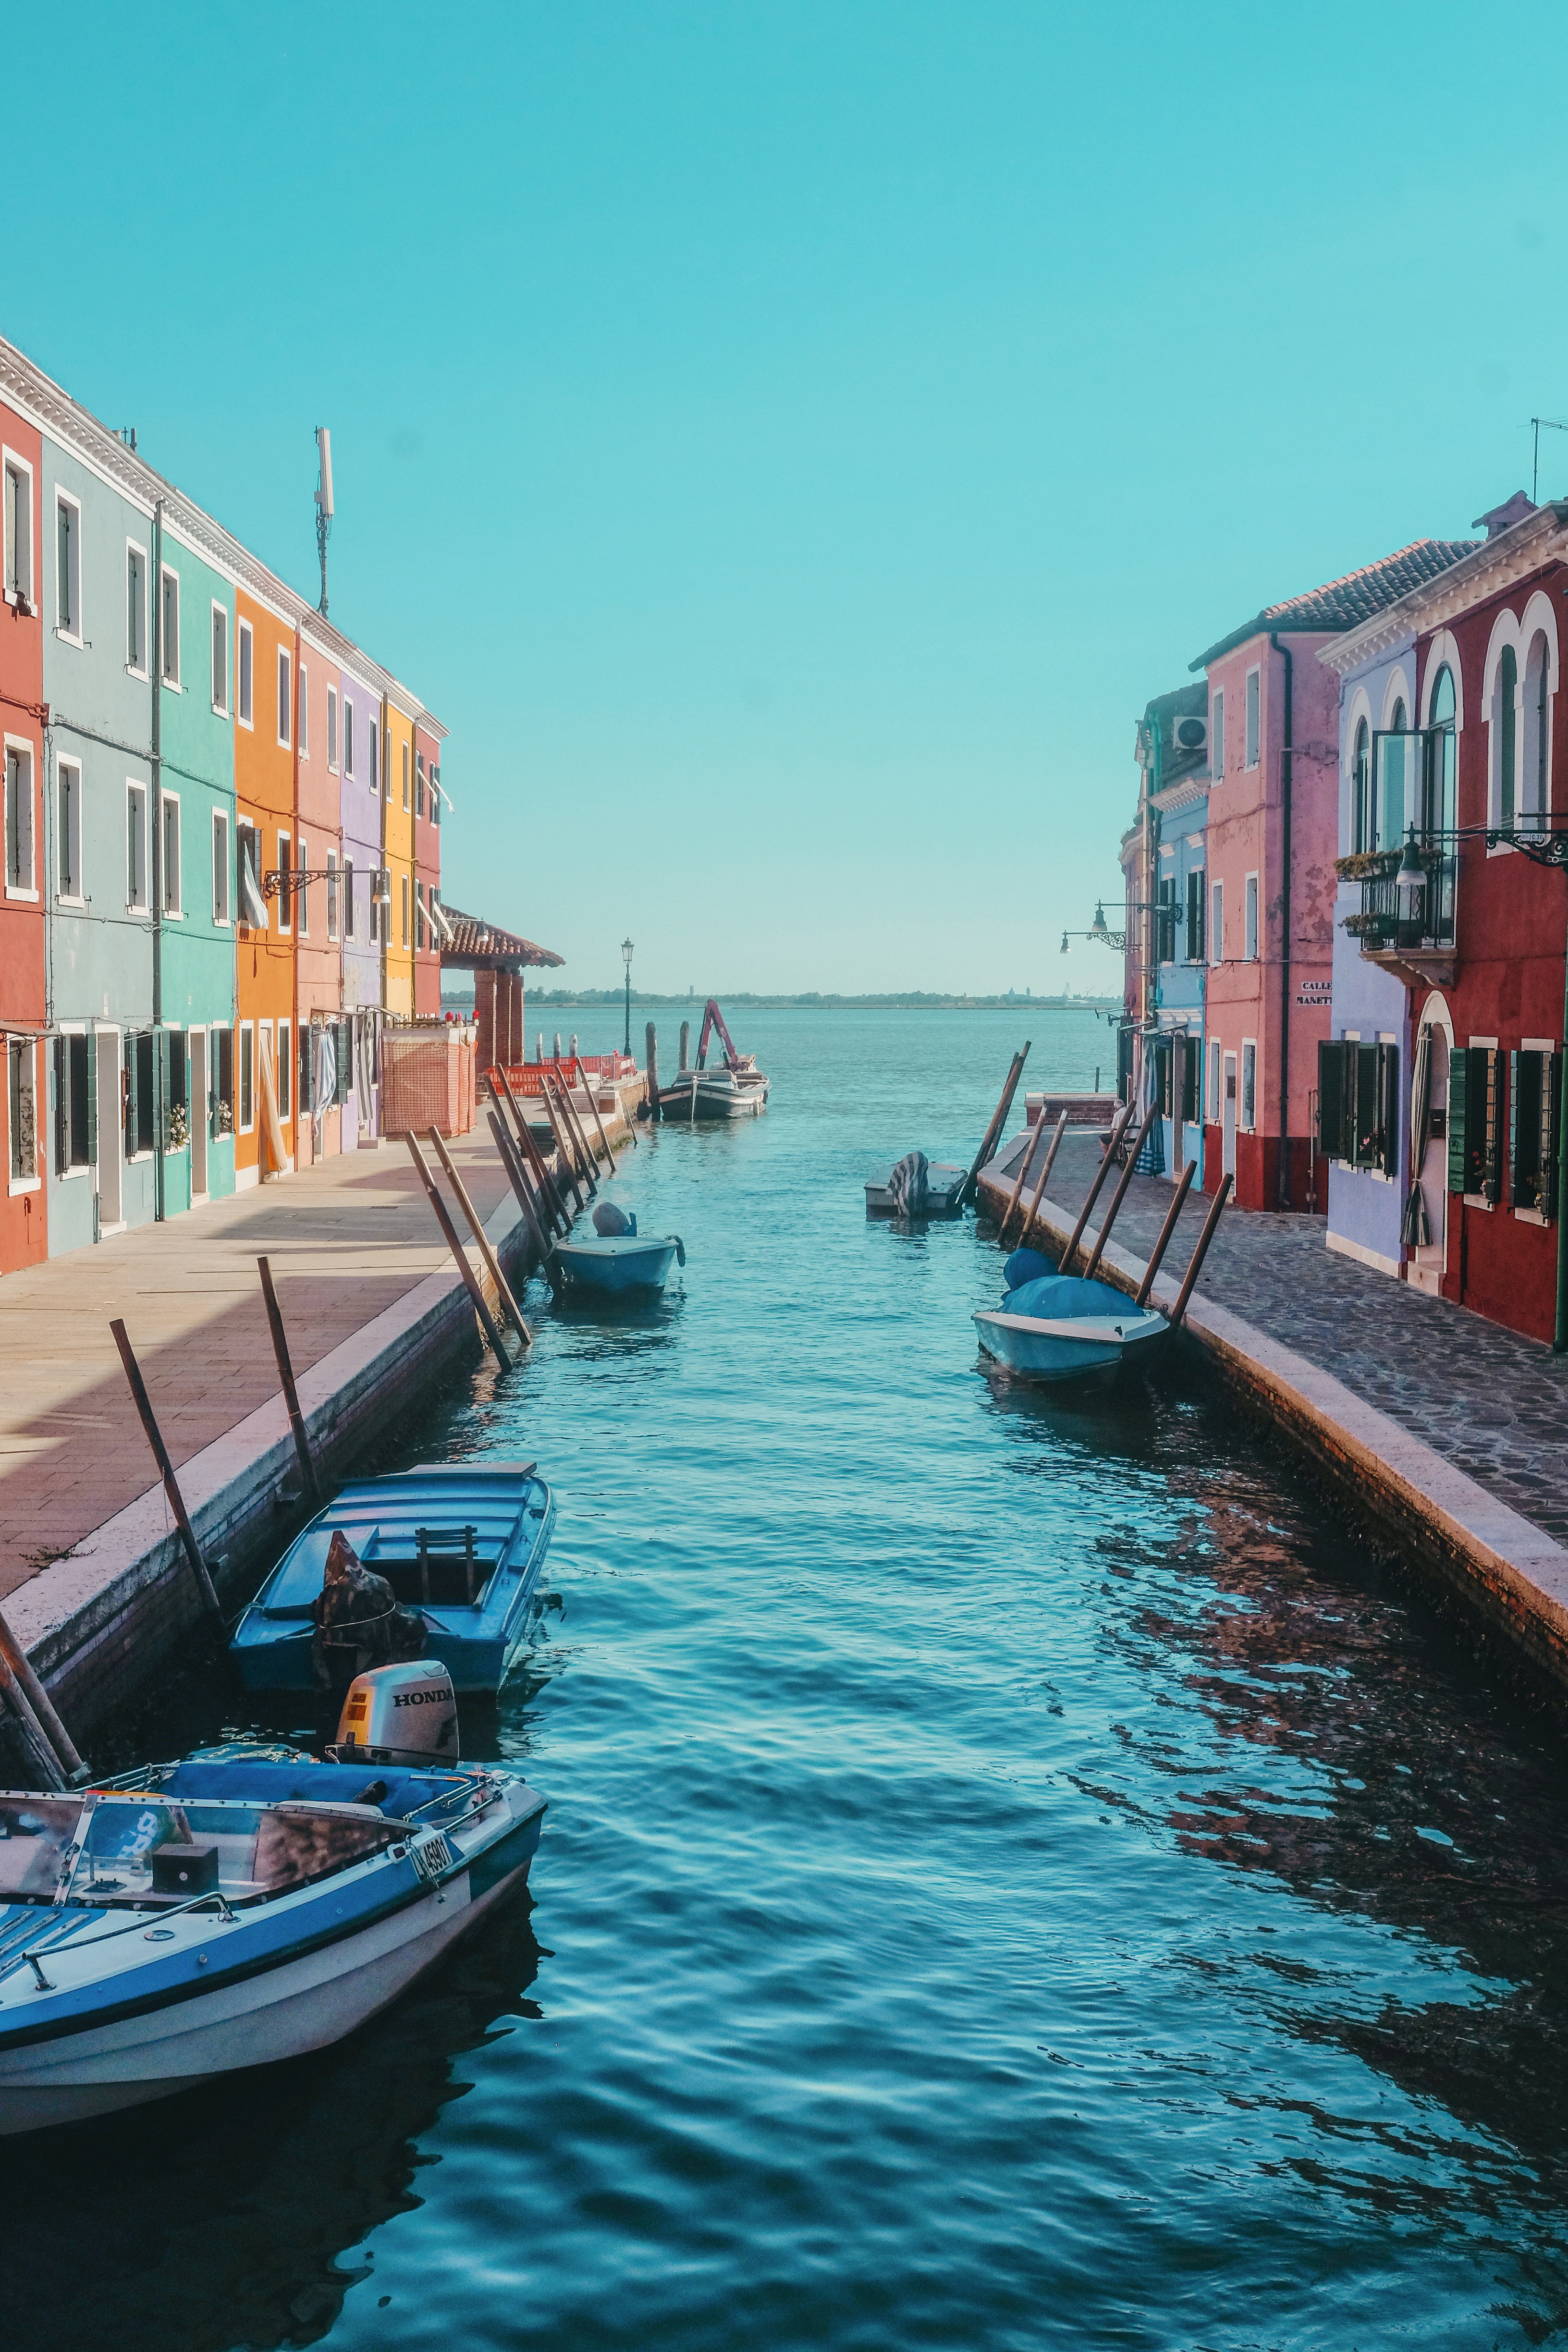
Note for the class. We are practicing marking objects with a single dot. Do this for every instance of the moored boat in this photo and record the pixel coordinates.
(245, 1905)
(612, 1261)
(459, 1545)
(738, 1089)
(1063, 1327)
(936, 1197)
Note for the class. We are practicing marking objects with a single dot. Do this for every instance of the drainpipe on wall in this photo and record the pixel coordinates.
(1282, 1189)
(155, 863)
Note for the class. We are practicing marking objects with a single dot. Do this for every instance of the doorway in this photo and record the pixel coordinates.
(196, 1112)
(1227, 1137)
(1430, 1258)
(110, 1132)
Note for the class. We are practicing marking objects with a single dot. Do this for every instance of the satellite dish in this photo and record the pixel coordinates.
(324, 494)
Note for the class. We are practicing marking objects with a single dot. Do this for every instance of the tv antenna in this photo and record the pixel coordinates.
(1554, 425)
(323, 505)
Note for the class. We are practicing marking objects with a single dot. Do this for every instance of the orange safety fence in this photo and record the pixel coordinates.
(427, 1079)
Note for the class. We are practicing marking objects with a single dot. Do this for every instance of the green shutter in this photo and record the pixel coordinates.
(166, 1083)
(1331, 1097)
(1492, 1166)
(1388, 1105)
(1514, 1171)
(1551, 1129)
(92, 1097)
(62, 1106)
(132, 1107)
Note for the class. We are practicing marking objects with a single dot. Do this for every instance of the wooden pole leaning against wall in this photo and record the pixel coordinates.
(290, 1394)
(13, 1655)
(166, 1472)
(503, 1288)
(1210, 1225)
(1166, 1230)
(563, 1154)
(591, 1093)
(1045, 1178)
(574, 1125)
(1120, 1192)
(650, 1064)
(521, 1184)
(992, 1133)
(1100, 1174)
(1031, 1138)
(553, 1200)
(39, 1757)
(470, 1280)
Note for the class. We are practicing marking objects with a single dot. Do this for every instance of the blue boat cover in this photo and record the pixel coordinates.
(1025, 1266)
(1063, 1297)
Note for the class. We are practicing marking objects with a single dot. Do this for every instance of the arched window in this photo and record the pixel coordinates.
(1439, 800)
(1361, 790)
(1391, 816)
(1535, 768)
(1505, 735)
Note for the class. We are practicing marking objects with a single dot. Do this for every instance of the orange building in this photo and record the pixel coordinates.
(266, 1061)
(318, 914)
(428, 736)
(397, 856)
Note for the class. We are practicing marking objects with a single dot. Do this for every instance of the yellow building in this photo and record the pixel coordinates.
(397, 856)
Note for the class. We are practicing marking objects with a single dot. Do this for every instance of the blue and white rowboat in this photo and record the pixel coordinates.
(620, 1261)
(1061, 1328)
(461, 1544)
(323, 1891)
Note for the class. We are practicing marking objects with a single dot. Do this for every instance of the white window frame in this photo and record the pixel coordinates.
(69, 1029)
(71, 636)
(332, 729)
(303, 895)
(245, 676)
(1216, 922)
(405, 768)
(168, 576)
(346, 896)
(1252, 926)
(1216, 1084)
(285, 700)
(333, 893)
(407, 918)
(176, 909)
(420, 920)
(68, 831)
(12, 462)
(346, 736)
(1252, 743)
(1246, 1126)
(303, 701)
(223, 871)
(30, 1054)
(136, 796)
(219, 687)
(375, 757)
(19, 747)
(136, 604)
(283, 1075)
(1216, 732)
(245, 1036)
(285, 859)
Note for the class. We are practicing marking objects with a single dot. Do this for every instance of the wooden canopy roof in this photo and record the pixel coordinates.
(477, 946)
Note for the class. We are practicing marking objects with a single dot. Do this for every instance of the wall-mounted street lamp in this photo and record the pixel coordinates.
(1100, 932)
(627, 959)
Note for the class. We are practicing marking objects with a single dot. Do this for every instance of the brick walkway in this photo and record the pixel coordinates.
(345, 1239)
(1492, 1404)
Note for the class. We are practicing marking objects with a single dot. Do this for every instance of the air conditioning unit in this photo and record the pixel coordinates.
(1189, 736)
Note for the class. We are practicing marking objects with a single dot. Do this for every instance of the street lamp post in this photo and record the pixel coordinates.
(626, 958)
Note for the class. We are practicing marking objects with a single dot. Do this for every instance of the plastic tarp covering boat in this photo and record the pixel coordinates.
(1063, 1297)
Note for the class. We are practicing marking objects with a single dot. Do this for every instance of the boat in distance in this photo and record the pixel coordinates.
(461, 1545)
(943, 1185)
(248, 1905)
(713, 1094)
(616, 1262)
(1063, 1327)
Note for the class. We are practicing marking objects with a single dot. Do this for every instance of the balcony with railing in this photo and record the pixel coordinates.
(1408, 930)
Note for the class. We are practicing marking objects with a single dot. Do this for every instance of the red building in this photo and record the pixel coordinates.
(23, 1001)
(1481, 951)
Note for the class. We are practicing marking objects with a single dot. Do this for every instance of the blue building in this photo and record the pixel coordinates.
(1164, 860)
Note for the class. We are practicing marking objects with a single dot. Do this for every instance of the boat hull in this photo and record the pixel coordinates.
(709, 1099)
(616, 1263)
(1088, 1350)
(942, 1187)
(261, 2018)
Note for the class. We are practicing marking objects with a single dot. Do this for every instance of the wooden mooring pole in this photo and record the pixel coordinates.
(470, 1280)
(290, 1393)
(13, 1655)
(563, 1152)
(1120, 1192)
(1210, 1223)
(585, 1159)
(1045, 1178)
(1166, 1230)
(38, 1755)
(521, 1185)
(1100, 1174)
(650, 1060)
(166, 1472)
(503, 1288)
(554, 1200)
(992, 1133)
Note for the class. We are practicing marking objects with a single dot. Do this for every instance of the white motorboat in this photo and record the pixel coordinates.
(1062, 1328)
(245, 1905)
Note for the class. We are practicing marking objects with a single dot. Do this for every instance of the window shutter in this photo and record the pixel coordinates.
(1491, 1080)
(345, 1052)
(1330, 1098)
(1551, 1129)
(92, 1097)
(62, 1105)
(130, 1102)
(1513, 1134)
(166, 1078)
(1388, 1106)
(1192, 1070)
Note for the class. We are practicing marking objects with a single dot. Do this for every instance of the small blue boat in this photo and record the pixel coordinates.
(460, 1545)
(1061, 1328)
(620, 1261)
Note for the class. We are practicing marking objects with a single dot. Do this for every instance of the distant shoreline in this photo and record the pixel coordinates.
(600, 1000)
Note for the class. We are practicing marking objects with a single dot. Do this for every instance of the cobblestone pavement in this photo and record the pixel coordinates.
(1494, 1404)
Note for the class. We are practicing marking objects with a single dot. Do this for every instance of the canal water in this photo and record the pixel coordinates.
(1017, 1872)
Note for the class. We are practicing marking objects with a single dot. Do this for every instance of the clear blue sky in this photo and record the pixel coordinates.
(788, 444)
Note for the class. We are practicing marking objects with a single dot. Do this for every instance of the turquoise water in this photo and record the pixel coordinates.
(1016, 1872)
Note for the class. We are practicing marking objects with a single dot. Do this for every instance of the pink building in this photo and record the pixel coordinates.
(1272, 839)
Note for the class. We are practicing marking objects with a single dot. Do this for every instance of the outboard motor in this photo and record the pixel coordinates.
(405, 1713)
(612, 1221)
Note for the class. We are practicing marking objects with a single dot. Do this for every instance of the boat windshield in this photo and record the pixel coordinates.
(35, 1833)
(146, 1847)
